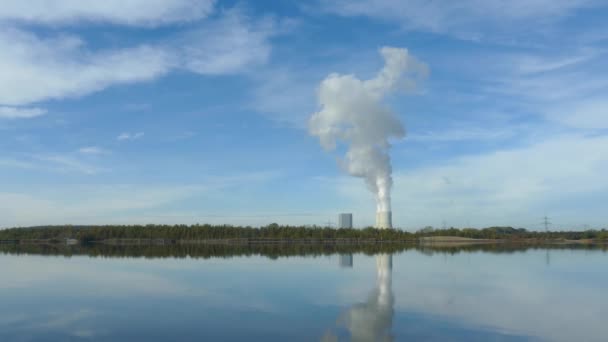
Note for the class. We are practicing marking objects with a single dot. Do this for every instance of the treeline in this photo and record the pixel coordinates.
(198, 232)
(510, 233)
(274, 231)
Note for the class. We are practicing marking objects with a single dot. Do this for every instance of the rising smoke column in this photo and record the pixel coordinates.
(352, 111)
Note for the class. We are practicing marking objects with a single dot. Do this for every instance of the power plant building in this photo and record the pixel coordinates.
(345, 220)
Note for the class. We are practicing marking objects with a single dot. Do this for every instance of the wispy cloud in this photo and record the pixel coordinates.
(93, 150)
(227, 45)
(63, 163)
(535, 64)
(130, 136)
(126, 12)
(568, 89)
(14, 163)
(36, 67)
(464, 18)
(66, 163)
(20, 112)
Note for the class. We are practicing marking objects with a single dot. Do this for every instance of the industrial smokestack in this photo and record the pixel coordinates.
(384, 220)
(352, 111)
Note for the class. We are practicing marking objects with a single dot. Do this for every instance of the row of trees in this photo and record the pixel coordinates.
(275, 231)
(197, 232)
(511, 233)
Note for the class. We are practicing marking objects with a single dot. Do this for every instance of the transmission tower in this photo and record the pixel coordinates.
(546, 223)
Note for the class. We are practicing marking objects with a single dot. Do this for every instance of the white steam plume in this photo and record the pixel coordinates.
(352, 112)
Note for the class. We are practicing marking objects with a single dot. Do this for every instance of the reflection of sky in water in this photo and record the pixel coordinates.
(468, 296)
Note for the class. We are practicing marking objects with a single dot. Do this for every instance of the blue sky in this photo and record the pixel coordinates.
(184, 111)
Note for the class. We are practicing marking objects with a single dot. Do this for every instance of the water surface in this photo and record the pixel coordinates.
(302, 294)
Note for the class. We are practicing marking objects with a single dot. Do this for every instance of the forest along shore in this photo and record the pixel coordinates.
(276, 234)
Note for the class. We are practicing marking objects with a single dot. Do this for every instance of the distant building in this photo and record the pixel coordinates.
(346, 260)
(345, 220)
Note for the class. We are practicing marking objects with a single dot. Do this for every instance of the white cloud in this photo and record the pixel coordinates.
(127, 12)
(35, 69)
(129, 136)
(20, 112)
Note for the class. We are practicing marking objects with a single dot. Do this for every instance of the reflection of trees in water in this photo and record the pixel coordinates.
(206, 251)
(273, 251)
(373, 319)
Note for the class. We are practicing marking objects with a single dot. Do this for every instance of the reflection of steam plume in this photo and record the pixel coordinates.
(372, 320)
(352, 112)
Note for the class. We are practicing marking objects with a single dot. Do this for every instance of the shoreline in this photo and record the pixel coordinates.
(437, 241)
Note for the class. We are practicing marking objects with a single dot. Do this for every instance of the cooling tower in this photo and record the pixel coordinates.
(384, 219)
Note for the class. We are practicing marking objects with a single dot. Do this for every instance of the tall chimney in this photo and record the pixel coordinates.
(384, 220)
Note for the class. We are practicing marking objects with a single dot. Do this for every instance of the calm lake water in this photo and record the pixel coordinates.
(217, 295)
